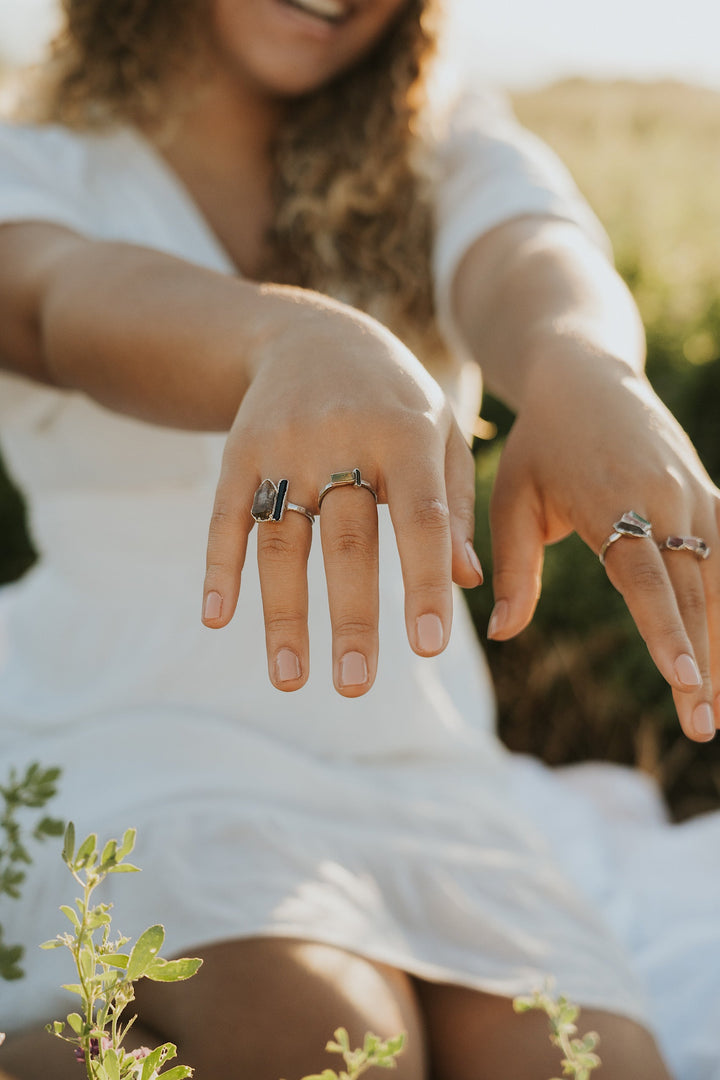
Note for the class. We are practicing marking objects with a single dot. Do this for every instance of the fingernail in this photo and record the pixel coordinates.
(498, 619)
(703, 720)
(287, 666)
(213, 606)
(473, 559)
(353, 669)
(687, 670)
(430, 633)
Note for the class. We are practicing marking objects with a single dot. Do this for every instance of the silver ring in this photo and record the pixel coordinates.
(630, 524)
(270, 503)
(696, 544)
(342, 479)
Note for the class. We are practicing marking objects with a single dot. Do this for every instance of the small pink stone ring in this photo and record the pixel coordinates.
(695, 544)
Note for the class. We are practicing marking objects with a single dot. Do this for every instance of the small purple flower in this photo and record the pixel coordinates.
(95, 1045)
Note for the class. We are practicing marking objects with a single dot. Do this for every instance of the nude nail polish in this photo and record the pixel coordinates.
(498, 619)
(213, 606)
(703, 720)
(473, 559)
(352, 670)
(287, 666)
(430, 633)
(687, 670)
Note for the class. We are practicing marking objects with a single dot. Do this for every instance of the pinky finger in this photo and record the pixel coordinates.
(230, 526)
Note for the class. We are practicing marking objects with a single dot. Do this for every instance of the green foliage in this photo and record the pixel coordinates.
(579, 1058)
(374, 1054)
(106, 973)
(19, 794)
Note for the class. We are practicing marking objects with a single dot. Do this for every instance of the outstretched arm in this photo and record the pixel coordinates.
(559, 339)
(304, 386)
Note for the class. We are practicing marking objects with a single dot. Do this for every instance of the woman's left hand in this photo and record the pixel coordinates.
(591, 442)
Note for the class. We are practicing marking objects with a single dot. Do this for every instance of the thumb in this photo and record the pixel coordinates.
(518, 543)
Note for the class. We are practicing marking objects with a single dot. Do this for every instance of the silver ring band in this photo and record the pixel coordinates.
(630, 524)
(350, 477)
(695, 544)
(270, 503)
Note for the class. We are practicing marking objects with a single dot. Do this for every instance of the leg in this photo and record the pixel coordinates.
(477, 1036)
(264, 1008)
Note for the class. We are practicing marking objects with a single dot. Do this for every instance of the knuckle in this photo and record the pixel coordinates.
(464, 511)
(431, 514)
(648, 579)
(354, 626)
(282, 623)
(693, 601)
(225, 518)
(216, 570)
(351, 541)
(276, 547)
(428, 593)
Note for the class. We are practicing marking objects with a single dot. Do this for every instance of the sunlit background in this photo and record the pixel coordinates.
(521, 43)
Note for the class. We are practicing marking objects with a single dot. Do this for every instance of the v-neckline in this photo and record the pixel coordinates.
(179, 190)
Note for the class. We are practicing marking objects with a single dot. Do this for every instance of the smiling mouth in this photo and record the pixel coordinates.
(330, 11)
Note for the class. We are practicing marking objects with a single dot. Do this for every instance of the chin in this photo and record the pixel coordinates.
(283, 51)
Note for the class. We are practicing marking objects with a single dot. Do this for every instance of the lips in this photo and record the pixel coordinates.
(332, 11)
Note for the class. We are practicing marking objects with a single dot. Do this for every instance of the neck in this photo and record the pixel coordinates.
(223, 131)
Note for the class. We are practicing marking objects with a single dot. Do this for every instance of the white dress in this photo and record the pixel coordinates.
(394, 825)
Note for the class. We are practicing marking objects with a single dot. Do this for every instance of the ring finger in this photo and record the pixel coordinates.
(349, 531)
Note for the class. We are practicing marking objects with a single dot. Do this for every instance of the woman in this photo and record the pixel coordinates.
(367, 862)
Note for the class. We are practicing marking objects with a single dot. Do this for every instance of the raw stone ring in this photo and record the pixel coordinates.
(270, 503)
(630, 524)
(349, 477)
(695, 544)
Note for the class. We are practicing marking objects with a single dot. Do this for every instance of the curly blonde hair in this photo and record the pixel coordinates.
(353, 215)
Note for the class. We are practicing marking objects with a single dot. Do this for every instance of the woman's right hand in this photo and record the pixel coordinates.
(332, 390)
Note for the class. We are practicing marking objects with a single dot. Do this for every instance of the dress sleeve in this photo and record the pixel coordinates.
(41, 172)
(41, 179)
(487, 170)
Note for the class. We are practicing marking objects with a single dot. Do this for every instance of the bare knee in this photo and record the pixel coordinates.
(266, 1008)
(477, 1036)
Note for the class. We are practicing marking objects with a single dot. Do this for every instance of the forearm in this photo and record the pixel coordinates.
(145, 333)
(532, 291)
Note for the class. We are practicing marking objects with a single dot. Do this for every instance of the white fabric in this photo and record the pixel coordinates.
(394, 825)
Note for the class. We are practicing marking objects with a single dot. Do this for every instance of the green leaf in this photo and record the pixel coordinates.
(48, 826)
(10, 957)
(124, 868)
(68, 851)
(85, 852)
(128, 843)
(152, 1062)
(144, 951)
(75, 1021)
(55, 943)
(112, 1064)
(178, 1072)
(172, 970)
(109, 853)
(74, 988)
(119, 960)
(342, 1037)
(56, 1028)
(70, 914)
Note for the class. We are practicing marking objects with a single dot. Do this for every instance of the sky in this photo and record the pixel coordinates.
(522, 43)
